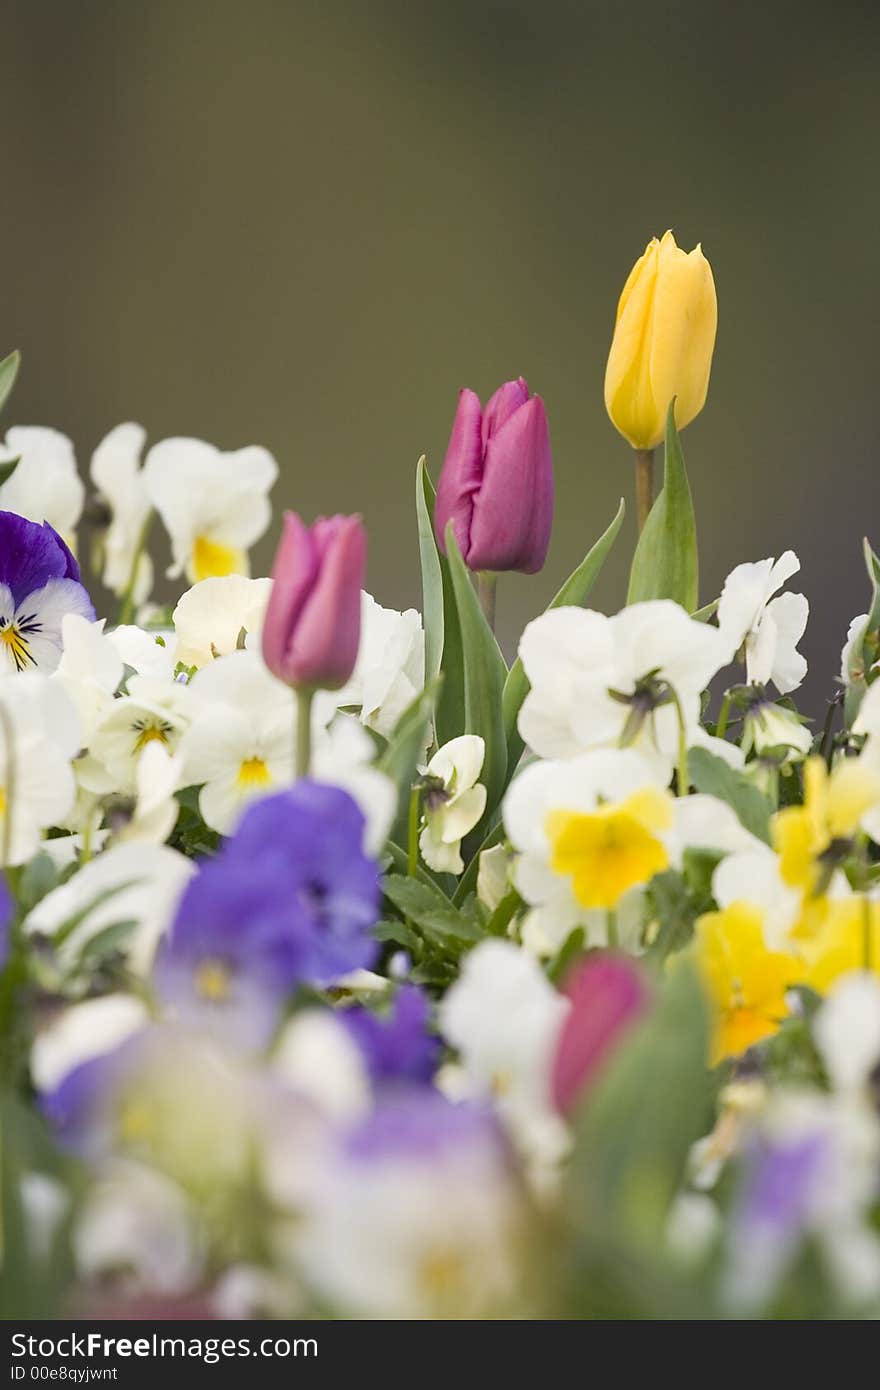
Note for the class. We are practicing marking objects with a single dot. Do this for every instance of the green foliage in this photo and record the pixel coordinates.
(439, 616)
(665, 564)
(8, 372)
(32, 1280)
(484, 677)
(406, 746)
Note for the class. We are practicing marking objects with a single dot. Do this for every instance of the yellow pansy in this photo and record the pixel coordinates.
(848, 940)
(607, 851)
(745, 982)
(663, 342)
(833, 807)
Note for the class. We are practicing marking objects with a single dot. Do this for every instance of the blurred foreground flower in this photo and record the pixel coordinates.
(608, 995)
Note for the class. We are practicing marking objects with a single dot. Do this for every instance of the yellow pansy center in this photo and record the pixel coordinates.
(745, 982)
(136, 1121)
(213, 980)
(254, 773)
(607, 851)
(13, 639)
(213, 560)
(149, 731)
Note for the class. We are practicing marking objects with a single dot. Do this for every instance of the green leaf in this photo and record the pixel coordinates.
(106, 941)
(7, 469)
(712, 775)
(484, 677)
(431, 911)
(864, 653)
(69, 926)
(32, 1281)
(406, 746)
(8, 372)
(573, 592)
(432, 574)
(665, 562)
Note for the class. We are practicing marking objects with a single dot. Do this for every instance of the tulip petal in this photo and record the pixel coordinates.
(462, 473)
(513, 510)
(323, 646)
(499, 408)
(293, 574)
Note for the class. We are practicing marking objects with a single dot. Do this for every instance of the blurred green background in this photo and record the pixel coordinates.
(307, 225)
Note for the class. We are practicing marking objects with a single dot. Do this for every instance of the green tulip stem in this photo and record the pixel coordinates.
(412, 856)
(303, 733)
(644, 485)
(487, 584)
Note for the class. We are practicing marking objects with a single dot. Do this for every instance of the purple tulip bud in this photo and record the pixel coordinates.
(313, 620)
(496, 486)
(608, 995)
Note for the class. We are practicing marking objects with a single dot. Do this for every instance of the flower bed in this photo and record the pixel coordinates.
(347, 970)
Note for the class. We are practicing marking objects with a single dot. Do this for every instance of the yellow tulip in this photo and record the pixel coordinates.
(663, 342)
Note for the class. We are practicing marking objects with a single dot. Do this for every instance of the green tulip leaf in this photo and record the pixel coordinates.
(484, 677)
(8, 372)
(439, 615)
(7, 469)
(665, 562)
(573, 593)
(432, 575)
(406, 747)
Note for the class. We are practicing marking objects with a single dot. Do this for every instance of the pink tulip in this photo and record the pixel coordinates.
(496, 486)
(313, 619)
(608, 995)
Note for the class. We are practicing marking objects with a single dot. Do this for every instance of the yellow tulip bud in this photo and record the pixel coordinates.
(663, 342)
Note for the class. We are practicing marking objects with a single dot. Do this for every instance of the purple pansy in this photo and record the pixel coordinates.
(422, 1125)
(290, 899)
(396, 1046)
(39, 585)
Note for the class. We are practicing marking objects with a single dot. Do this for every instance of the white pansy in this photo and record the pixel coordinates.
(597, 681)
(504, 1018)
(45, 485)
(855, 635)
(589, 788)
(770, 726)
(138, 883)
(239, 746)
(768, 628)
(847, 1030)
(158, 775)
(210, 617)
(82, 1032)
(39, 736)
(213, 505)
(342, 756)
(90, 670)
(452, 803)
(135, 1219)
(154, 710)
(493, 876)
(117, 475)
(390, 667)
(147, 653)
